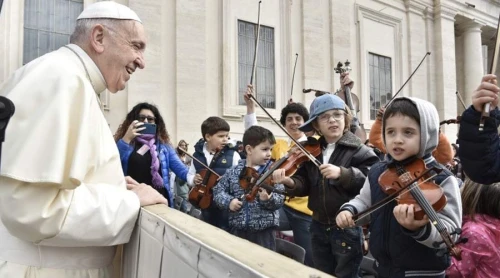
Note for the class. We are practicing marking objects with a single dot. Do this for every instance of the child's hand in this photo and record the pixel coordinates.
(344, 219)
(345, 80)
(280, 178)
(405, 216)
(329, 171)
(235, 205)
(486, 92)
(247, 95)
(263, 195)
(380, 112)
(197, 179)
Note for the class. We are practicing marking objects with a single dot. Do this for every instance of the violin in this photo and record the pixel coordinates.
(421, 196)
(410, 183)
(352, 101)
(251, 183)
(250, 180)
(201, 195)
(291, 162)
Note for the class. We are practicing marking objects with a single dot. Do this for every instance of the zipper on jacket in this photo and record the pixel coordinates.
(247, 215)
(324, 198)
(386, 242)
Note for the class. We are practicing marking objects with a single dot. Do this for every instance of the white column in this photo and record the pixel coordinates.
(473, 58)
(445, 71)
(417, 48)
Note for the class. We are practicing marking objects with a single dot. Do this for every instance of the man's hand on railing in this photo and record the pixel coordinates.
(147, 194)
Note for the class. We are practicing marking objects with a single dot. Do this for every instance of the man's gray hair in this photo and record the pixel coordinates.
(84, 26)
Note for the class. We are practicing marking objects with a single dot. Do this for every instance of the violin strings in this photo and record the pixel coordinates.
(427, 207)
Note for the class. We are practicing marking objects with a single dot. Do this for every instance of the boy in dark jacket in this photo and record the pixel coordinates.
(402, 245)
(345, 161)
(480, 150)
(214, 144)
(251, 220)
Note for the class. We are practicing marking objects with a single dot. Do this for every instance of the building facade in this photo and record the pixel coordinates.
(200, 53)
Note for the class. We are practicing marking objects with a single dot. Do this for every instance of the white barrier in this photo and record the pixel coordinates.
(170, 244)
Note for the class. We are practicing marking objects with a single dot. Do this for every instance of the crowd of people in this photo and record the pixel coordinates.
(70, 194)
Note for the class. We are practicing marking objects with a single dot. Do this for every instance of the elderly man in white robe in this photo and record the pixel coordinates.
(64, 202)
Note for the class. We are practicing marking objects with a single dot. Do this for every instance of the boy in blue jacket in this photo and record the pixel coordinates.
(214, 144)
(479, 151)
(402, 245)
(256, 220)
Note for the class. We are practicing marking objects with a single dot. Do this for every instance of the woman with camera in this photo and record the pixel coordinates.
(145, 150)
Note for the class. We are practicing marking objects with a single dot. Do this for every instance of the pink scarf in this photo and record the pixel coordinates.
(149, 140)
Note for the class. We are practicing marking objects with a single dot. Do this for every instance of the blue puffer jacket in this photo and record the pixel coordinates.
(168, 160)
(479, 151)
(253, 216)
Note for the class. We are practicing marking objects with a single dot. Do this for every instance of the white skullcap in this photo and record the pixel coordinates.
(108, 9)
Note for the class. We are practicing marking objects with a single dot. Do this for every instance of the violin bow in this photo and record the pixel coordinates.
(461, 99)
(293, 75)
(310, 156)
(197, 160)
(493, 67)
(407, 80)
(254, 66)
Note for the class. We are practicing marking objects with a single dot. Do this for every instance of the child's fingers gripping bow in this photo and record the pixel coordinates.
(344, 219)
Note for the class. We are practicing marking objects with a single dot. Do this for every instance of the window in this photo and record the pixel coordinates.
(48, 25)
(264, 79)
(380, 82)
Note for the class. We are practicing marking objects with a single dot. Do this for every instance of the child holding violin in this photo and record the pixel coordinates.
(402, 245)
(294, 214)
(334, 177)
(257, 219)
(481, 227)
(215, 132)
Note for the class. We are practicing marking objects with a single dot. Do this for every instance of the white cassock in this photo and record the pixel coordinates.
(63, 198)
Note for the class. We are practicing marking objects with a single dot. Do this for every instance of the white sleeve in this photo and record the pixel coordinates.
(236, 158)
(90, 215)
(191, 174)
(250, 120)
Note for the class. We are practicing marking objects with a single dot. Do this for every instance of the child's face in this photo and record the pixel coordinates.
(260, 154)
(402, 136)
(331, 124)
(217, 140)
(292, 123)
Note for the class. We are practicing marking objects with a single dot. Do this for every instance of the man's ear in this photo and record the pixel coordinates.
(97, 38)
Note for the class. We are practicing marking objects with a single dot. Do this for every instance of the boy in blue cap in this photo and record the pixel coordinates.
(345, 164)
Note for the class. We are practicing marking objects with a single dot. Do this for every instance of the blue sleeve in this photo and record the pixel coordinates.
(276, 201)
(479, 151)
(125, 152)
(175, 164)
(221, 191)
